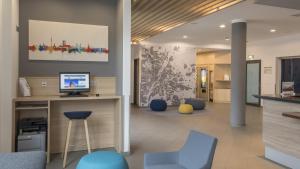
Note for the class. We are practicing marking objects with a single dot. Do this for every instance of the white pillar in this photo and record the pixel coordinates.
(124, 62)
(9, 47)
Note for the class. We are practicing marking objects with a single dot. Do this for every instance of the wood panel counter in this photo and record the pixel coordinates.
(281, 133)
(104, 123)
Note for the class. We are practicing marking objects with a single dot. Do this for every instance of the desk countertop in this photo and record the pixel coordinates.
(58, 98)
(279, 98)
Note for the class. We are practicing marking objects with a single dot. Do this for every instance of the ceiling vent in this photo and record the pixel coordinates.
(290, 4)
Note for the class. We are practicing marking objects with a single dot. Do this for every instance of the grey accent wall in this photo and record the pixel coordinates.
(96, 12)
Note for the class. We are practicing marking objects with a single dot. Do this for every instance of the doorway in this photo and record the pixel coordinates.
(202, 83)
(136, 82)
(253, 81)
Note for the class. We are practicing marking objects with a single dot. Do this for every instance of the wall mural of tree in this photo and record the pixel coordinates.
(165, 75)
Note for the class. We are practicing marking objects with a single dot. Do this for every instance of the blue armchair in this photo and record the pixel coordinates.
(197, 153)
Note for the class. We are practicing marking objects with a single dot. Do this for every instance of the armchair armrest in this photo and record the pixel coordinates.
(160, 158)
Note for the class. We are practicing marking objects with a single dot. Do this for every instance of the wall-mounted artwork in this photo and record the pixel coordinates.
(67, 41)
(167, 72)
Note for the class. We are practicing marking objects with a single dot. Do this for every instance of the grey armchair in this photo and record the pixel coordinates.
(23, 160)
(197, 153)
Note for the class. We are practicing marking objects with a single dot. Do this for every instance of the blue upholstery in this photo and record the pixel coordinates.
(196, 103)
(197, 153)
(23, 160)
(78, 114)
(103, 160)
(158, 105)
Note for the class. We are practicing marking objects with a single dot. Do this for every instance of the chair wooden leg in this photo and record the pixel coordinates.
(67, 143)
(87, 136)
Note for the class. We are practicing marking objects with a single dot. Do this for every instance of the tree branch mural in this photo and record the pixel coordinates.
(162, 77)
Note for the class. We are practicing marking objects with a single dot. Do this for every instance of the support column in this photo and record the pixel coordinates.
(238, 72)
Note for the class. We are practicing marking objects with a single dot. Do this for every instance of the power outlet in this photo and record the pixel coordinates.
(44, 84)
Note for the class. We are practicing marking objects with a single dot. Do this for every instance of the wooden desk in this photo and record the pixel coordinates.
(104, 123)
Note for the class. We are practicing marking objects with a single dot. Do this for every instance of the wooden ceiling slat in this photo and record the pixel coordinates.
(156, 4)
(170, 18)
(178, 19)
(162, 19)
(151, 17)
(162, 11)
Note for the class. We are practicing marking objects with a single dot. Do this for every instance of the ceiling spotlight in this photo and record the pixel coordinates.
(184, 36)
(273, 30)
(227, 39)
(250, 57)
(222, 26)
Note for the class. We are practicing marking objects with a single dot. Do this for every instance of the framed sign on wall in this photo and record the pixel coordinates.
(67, 41)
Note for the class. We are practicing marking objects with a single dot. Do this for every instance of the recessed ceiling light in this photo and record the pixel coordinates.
(250, 57)
(227, 39)
(184, 36)
(273, 30)
(222, 26)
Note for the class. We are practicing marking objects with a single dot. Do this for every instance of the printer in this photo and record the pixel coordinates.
(32, 134)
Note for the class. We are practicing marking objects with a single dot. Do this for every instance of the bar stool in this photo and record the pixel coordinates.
(76, 115)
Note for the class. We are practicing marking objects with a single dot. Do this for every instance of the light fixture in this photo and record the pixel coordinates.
(222, 26)
(250, 57)
(273, 30)
(184, 36)
(227, 39)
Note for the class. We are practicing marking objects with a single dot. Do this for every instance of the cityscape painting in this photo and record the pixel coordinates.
(67, 41)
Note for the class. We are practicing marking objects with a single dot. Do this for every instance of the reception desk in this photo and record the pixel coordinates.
(281, 129)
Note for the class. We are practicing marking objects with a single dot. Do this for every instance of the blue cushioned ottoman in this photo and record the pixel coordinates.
(103, 160)
(158, 105)
(197, 104)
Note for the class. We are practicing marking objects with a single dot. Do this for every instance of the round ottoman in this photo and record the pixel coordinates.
(185, 109)
(196, 103)
(103, 160)
(158, 105)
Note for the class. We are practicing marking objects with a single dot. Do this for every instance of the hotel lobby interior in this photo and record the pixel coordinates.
(160, 84)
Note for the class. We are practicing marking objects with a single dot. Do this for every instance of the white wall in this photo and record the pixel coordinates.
(8, 68)
(268, 51)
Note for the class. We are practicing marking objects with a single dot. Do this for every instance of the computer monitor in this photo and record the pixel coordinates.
(74, 83)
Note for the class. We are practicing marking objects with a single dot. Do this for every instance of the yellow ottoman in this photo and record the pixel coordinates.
(185, 109)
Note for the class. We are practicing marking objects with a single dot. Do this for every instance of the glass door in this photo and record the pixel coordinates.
(253, 82)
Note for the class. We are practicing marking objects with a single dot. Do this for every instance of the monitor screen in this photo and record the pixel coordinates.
(70, 82)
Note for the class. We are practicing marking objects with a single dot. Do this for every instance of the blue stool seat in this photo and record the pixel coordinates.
(158, 105)
(103, 160)
(78, 114)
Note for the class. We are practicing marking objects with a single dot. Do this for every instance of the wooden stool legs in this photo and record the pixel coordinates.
(87, 136)
(67, 143)
(68, 140)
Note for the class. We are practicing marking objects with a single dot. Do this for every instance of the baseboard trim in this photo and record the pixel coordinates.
(281, 158)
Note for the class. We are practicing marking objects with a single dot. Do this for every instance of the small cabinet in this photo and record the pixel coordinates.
(222, 95)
